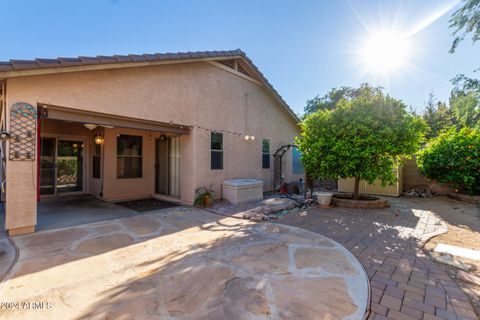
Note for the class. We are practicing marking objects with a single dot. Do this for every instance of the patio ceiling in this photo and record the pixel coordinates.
(75, 115)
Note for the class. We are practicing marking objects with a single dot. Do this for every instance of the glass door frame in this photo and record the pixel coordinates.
(84, 140)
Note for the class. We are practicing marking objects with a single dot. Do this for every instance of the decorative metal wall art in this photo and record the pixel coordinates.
(23, 131)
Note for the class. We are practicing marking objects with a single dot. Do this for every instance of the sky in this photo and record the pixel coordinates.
(303, 47)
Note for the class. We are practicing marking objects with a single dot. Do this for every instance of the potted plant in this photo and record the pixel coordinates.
(204, 196)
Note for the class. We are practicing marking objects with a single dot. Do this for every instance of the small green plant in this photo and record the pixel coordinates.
(204, 196)
(453, 157)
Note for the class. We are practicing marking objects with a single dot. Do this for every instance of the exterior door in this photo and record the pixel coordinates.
(161, 166)
(48, 174)
(167, 166)
(61, 166)
(69, 166)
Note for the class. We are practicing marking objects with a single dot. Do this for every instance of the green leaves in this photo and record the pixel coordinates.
(466, 20)
(453, 157)
(363, 136)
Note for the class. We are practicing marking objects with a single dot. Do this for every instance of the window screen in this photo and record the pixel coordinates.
(216, 151)
(129, 157)
(266, 153)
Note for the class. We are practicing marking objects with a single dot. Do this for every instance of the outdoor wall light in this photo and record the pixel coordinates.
(98, 139)
(4, 135)
(247, 137)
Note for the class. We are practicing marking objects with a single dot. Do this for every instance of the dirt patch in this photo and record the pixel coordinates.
(463, 221)
(144, 205)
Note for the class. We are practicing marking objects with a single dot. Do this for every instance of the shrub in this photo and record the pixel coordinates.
(453, 157)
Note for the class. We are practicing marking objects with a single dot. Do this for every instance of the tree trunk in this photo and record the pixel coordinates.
(355, 188)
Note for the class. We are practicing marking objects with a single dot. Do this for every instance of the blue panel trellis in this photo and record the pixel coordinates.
(23, 131)
(297, 163)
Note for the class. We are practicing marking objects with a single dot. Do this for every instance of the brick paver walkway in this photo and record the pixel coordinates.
(405, 283)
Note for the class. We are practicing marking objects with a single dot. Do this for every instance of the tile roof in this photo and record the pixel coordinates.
(38, 64)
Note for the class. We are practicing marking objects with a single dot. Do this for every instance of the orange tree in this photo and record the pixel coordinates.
(361, 138)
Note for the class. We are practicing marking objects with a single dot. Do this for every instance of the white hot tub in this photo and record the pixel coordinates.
(242, 190)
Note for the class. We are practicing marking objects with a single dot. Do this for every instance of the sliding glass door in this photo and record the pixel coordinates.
(61, 166)
(48, 149)
(69, 166)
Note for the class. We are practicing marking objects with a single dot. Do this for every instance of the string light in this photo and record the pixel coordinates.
(233, 133)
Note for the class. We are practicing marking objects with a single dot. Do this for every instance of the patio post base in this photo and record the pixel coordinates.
(19, 231)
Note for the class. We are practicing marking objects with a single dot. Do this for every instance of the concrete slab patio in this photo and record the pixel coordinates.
(58, 213)
(183, 263)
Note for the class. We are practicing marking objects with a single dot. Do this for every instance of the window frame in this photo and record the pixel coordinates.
(125, 156)
(265, 153)
(220, 151)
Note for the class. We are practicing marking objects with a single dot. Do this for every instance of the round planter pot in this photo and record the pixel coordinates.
(207, 201)
(324, 198)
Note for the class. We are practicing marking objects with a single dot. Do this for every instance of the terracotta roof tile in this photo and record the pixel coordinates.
(162, 56)
(23, 64)
(137, 57)
(121, 58)
(184, 55)
(89, 60)
(173, 56)
(151, 57)
(107, 59)
(195, 54)
(48, 63)
(70, 61)
(5, 66)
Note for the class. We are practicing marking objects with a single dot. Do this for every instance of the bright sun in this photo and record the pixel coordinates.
(385, 52)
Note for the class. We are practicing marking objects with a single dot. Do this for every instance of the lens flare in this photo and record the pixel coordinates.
(385, 52)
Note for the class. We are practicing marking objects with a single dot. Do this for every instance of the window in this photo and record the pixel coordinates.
(129, 157)
(266, 154)
(296, 162)
(216, 147)
(96, 161)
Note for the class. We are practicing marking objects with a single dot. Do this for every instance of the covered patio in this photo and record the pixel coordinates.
(69, 212)
(105, 157)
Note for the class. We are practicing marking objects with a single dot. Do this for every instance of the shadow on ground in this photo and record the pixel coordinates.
(188, 264)
(389, 243)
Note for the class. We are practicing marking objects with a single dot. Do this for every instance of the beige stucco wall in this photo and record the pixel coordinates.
(412, 178)
(21, 193)
(195, 94)
(119, 189)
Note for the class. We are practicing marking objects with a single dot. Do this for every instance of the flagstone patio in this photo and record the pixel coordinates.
(183, 263)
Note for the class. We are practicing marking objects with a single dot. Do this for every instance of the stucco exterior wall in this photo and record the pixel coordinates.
(194, 94)
(412, 178)
(21, 193)
(118, 189)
